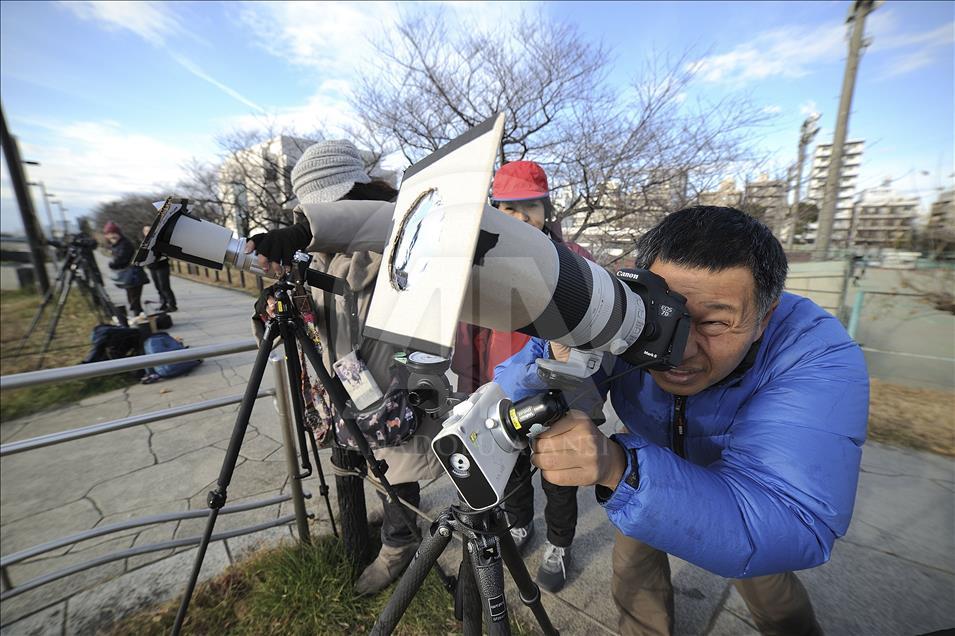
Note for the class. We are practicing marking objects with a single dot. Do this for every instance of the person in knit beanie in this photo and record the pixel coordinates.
(327, 172)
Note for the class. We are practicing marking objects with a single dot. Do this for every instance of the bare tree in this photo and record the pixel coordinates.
(617, 157)
(131, 212)
(249, 187)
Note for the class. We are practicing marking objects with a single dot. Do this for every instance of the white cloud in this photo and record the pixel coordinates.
(941, 36)
(337, 37)
(331, 36)
(193, 68)
(152, 21)
(772, 109)
(809, 108)
(786, 52)
(795, 51)
(925, 49)
(96, 161)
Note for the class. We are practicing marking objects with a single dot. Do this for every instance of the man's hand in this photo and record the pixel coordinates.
(560, 352)
(573, 452)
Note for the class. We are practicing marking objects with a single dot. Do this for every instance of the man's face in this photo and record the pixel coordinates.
(112, 237)
(531, 212)
(725, 324)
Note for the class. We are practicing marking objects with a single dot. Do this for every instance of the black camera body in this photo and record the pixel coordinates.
(663, 340)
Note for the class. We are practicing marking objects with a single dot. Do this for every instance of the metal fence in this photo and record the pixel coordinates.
(49, 376)
(227, 276)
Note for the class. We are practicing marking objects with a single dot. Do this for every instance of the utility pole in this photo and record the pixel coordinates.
(827, 214)
(806, 133)
(27, 214)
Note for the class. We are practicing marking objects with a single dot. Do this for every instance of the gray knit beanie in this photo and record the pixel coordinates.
(327, 171)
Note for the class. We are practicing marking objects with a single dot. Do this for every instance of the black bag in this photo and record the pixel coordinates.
(111, 343)
(389, 422)
(133, 276)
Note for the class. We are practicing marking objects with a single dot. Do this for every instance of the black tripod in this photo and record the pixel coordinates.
(289, 325)
(79, 267)
(488, 546)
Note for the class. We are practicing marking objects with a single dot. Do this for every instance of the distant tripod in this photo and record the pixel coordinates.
(79, 267)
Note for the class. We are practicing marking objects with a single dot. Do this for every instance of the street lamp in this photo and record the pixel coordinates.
(46, 201)
(807, 132)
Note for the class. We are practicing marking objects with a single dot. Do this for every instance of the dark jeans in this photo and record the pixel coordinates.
(160, 275)
(394, 531)
(560, 512)
(133, 296)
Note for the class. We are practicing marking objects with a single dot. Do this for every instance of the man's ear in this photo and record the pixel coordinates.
(765, 321)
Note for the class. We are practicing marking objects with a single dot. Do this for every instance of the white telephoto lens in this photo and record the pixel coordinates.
(236, 256)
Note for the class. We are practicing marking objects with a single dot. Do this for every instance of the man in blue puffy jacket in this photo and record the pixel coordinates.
(744, 459)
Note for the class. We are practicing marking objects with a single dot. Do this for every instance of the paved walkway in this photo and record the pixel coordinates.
(893, 574)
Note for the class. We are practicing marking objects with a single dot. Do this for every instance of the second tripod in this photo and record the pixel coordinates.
(488, 547)
(79, 268)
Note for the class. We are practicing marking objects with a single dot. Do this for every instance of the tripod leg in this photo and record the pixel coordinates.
(47, 297)
(468, 596)
(51, 331)
(489, 577)
(427, 555)
(217, 497)
(529, 591)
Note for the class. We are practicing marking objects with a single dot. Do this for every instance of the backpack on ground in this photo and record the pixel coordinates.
(162, 342)
(110, 342)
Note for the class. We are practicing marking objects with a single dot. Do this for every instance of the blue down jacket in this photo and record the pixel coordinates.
(771, 456)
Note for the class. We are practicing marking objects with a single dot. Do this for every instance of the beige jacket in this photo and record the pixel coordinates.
(335, 254)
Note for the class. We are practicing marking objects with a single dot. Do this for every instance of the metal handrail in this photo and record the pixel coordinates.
(49, 376)
(129, 524)
(52, 439)
(109, 367)
(116, 556)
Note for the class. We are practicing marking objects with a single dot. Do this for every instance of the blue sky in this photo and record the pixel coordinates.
(116, 97)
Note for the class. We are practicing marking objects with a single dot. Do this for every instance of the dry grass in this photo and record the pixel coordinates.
(69, 347)
(923, 419)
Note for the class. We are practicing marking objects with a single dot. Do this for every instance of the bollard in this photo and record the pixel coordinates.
(283, 406)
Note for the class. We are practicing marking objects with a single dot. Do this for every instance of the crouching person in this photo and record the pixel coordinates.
(742, 460)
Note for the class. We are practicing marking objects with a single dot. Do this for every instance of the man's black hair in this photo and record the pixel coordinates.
(715, 239)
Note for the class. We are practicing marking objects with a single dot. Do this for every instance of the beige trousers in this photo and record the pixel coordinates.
(643, 593)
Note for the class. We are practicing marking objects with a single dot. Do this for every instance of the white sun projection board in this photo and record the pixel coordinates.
(427, 260)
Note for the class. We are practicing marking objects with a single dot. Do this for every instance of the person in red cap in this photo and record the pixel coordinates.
(129, 277)
(520, 190)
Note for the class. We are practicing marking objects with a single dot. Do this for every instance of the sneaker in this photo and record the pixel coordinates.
(553, 570)
(387, 567)
(170, 309)
(522, 535)
(140, 319)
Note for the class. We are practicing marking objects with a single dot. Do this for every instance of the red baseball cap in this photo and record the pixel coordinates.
(520, 181)
(111, 228)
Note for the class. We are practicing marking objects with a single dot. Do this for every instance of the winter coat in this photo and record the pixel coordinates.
(123, 252)
(412, 460)
(128, 275)
(764, 479)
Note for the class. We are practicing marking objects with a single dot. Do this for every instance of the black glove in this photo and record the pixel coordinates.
(278, 246)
